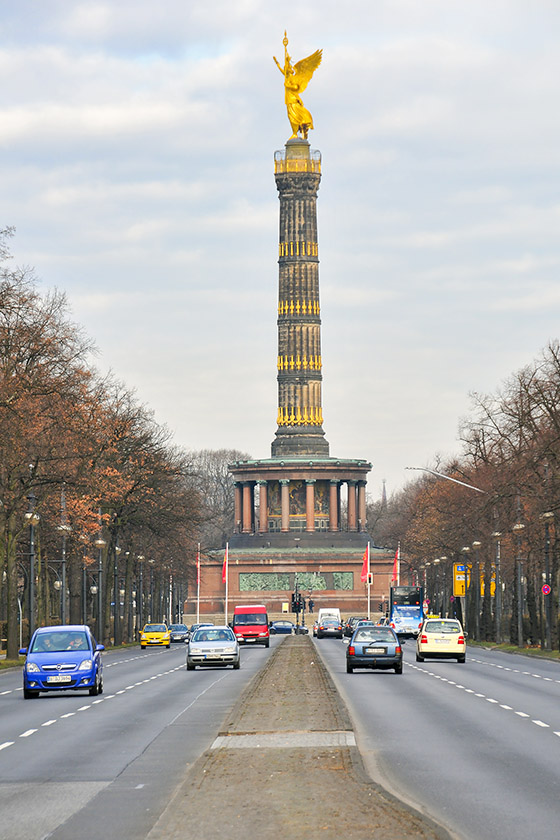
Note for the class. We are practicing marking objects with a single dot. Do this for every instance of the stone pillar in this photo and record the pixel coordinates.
(238, 515)
(248, 512)
(361, 505)
(310, 505)
(263, 507)
(285, 500)
(333, 505)
(352, 517)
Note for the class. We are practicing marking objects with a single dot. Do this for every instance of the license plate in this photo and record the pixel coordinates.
(375, 651)
(248, 640)
(59, 678)
(441, 641)
(212, 656)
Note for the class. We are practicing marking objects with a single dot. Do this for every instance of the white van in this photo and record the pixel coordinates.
(330, 612)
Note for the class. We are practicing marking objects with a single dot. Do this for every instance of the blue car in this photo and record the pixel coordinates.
(374, 646)
(61, 658)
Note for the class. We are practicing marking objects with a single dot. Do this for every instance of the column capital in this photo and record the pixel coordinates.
(284, 481)
(310, 480)
(334, 481)
(262, 482)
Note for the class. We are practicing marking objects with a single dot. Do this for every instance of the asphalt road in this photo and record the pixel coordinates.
(72, 765)
(476, 746)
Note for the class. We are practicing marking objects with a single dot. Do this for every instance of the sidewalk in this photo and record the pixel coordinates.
(286, 766)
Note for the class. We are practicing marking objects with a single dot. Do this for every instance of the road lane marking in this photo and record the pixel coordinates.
(27, 733)
(83, 708)
(507, 708)
(48, 722)
(522, 714)
(11, 743)
(541, 723)
(491, 700)
(68, 714)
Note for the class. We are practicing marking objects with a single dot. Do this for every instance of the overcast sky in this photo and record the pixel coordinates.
(136, 163)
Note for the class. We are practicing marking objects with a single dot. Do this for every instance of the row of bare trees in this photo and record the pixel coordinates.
(510, 451)
(90, 484)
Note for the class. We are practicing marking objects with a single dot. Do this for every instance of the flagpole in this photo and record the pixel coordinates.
(227, 565)
(368, 584)
(398, 562)
(198, 585)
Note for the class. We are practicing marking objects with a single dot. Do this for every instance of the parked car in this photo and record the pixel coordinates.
(282, 627)
(329, 627)
(179, 633)
(215, 645)
(441, 638)
(155, 634)
(374, 646)
(62, 657)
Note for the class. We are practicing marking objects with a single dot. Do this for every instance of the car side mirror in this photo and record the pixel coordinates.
(23, 651)
(465, 634)
(100, 647)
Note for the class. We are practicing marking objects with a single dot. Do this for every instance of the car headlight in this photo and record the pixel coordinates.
(195, 650)
(85, 665)
(230, 649)
(32, 668)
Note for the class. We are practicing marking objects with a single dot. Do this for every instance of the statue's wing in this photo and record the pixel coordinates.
(304, 69)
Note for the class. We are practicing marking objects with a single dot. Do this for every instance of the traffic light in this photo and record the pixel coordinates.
(301, 603)
(296, 603)
(380, 607)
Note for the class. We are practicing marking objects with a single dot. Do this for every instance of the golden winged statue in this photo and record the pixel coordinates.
(296, 79)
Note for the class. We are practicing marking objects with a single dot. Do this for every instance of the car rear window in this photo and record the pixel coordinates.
(209, 634)
(379, 634)
(441, 627)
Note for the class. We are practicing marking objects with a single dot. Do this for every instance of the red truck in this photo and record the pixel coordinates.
(250, 624)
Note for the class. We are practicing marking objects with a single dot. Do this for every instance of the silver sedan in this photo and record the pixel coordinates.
(213, 646)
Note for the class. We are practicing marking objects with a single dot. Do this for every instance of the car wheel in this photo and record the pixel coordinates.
(349, 669)
(94, 690)
(267, 644)
(29, 695)
(398, 669)
(236, 665)
(167, 646)
(461, 659)
(143, 647)
(101, 686)
(419, 658)
(190, 666)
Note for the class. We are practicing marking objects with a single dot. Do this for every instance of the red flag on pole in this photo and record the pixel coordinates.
(225, 566)
(396, 565)
(365, 566)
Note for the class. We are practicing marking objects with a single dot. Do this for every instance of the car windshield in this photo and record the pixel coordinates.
(442, 627)
(250, 618)
(378, 634)
(211, 634)
(155, 628)
(58, 641)
(178, 627)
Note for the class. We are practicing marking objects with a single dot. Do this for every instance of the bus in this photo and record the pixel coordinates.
(406, 610)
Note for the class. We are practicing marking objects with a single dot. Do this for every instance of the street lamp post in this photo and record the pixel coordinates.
(116, 597)
(436, 564)
(476, 545)
(518, 528)
(465, 550)
(33, 519)
(498, 588)
(100, 543)
(140, 610)
(547, 517)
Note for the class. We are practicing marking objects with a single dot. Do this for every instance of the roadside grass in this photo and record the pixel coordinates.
(536, 650)
(11, 663)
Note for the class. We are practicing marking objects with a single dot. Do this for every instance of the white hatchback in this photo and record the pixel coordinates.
(441, 638)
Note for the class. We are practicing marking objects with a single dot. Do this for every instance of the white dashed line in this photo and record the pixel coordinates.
(541, 723)
(68, 714)
(83, 708)
(48, 722)
(522, 714)
(11, 743)
(491, 700)
(27, 733)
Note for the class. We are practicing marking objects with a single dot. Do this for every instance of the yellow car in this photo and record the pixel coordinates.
(441, 638)
(155, 634)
